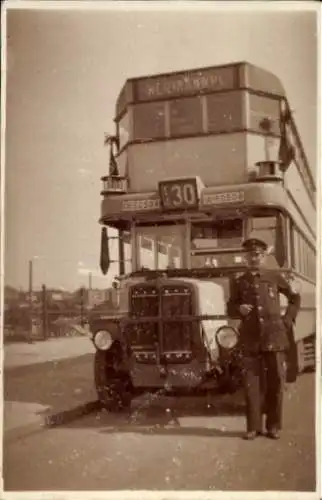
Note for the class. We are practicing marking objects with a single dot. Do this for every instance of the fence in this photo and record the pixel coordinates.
(46, 318)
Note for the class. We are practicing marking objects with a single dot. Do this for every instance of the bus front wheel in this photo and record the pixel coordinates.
(114, 388)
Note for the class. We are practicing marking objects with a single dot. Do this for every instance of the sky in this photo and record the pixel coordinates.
(65, 69)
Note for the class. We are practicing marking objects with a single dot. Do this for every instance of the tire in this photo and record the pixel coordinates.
(231, 382)
(114, 388)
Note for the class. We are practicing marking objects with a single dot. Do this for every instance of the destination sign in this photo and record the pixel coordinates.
(224, 197)
(179, 194)
(186, 83)
(140, 204)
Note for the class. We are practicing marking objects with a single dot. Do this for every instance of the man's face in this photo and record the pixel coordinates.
(255, 258)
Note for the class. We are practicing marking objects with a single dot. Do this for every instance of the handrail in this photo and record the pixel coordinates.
(172, 319)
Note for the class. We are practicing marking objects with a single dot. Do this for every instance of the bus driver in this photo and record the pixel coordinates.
(254, 299)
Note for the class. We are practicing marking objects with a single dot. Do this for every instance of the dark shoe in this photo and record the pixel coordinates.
(273, 434)
(250, 435)
(261, 433)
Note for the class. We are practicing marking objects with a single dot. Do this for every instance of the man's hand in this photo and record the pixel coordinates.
(287, 322)
(245, 309)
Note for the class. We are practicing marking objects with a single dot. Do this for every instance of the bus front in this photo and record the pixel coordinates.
(172, 320)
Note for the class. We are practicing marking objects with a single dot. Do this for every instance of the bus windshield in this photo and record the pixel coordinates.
(160, 247)
(213, 243)
(218, 243)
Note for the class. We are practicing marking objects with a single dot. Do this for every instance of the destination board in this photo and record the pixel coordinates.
(181, 194)
(185, 116)
(185, 83)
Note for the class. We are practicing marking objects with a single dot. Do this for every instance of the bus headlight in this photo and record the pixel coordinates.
(103, 340)
(227, 337)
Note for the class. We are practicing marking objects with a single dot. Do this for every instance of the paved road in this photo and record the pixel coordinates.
(167, 444)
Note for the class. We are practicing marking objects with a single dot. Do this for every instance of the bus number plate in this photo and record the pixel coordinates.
(179, 194)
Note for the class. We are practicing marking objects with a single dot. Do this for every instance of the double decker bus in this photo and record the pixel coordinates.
(204, 159)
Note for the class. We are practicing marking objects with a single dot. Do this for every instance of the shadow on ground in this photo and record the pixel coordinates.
(171, 416)
(215, 416)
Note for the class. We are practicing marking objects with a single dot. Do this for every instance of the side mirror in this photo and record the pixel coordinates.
(280, 246)
(105, 260)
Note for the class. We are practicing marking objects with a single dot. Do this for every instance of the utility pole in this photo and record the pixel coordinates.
(30, 300)
(44, 313)
(82, 297)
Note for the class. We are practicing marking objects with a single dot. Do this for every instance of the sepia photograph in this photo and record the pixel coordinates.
(160, 250)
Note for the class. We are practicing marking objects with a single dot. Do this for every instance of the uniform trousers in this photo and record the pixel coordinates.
(264, 379)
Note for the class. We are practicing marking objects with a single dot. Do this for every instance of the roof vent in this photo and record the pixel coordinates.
(269, 171)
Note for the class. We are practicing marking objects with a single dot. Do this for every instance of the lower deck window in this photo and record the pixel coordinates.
(304, 255)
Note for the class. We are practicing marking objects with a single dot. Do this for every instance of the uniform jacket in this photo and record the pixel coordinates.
(264, 328)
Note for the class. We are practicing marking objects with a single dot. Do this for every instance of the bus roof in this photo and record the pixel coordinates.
(209, 79)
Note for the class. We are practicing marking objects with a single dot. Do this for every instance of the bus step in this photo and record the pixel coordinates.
(309, 353)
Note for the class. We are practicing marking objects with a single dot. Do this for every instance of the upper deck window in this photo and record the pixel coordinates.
(149, 121)
(186, 116)
(301, 160)
(224, 112)
(124, 130)
(261, 108)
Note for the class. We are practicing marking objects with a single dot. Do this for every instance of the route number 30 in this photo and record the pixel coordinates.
(178, 194)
